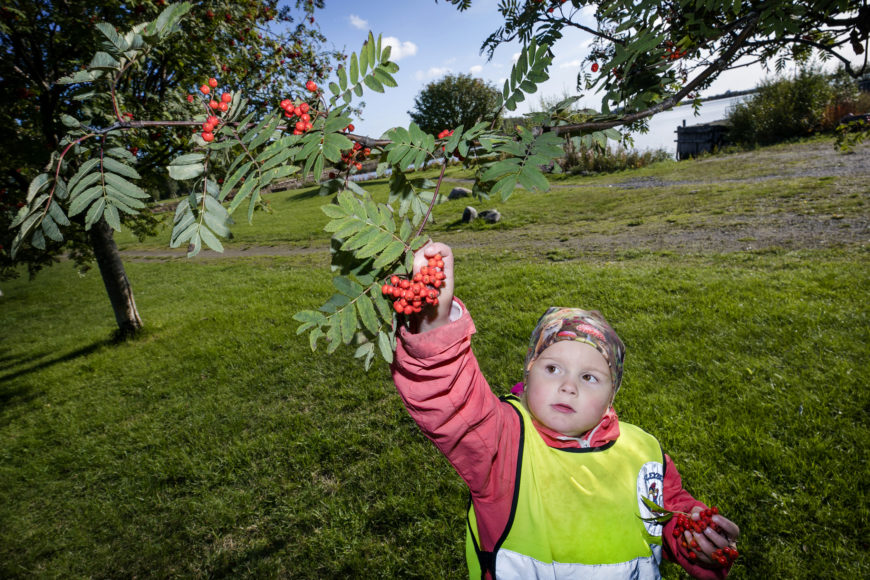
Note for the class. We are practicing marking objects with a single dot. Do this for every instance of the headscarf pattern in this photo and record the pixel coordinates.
(586, 326)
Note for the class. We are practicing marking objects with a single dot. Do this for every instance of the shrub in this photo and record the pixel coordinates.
(785, 109)
(584, 160)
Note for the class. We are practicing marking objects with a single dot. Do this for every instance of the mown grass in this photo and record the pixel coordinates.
(218, 445)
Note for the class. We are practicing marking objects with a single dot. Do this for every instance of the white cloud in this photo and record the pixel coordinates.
(572, 64)
(476, 69)
(432, 73)
(399, 49)
(358, 22)
(515, 57)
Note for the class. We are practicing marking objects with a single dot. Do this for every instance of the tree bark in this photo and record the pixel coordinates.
(115, 279)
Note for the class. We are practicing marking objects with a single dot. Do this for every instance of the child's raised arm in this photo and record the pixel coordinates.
(438, 315)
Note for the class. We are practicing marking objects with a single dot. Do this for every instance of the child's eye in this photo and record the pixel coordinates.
(551, 368)
(590, 378)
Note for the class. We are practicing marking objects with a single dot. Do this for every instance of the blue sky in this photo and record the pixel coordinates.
(430, 40)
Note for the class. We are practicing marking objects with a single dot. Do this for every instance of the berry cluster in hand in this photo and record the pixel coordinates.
(356, 155)
(301, 110)
(723, 556)
(410, 295)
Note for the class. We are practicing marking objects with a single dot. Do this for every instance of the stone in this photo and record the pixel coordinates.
(469, 215)
(490, 216)
(459, 193)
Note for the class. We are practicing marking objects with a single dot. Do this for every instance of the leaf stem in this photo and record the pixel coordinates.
(431, 203)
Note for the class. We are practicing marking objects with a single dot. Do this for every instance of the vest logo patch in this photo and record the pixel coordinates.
(650, 483)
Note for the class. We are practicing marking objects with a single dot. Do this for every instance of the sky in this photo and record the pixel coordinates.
(430, 40)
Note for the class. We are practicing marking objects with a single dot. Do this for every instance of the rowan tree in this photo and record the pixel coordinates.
(255, 47)
(647, 55)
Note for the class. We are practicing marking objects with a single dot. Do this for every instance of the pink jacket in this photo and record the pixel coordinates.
(443, 389)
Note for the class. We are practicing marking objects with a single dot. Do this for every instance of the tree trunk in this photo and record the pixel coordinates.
(115, 278)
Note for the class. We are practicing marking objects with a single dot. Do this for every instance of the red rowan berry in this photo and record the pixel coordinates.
(226, 97)
(208, 136)
(204, 89)
(212, 82)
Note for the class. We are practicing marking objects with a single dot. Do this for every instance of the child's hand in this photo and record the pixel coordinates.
(438, 315)
(709, 541)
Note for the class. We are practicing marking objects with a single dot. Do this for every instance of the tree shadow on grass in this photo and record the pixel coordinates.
(37, 363)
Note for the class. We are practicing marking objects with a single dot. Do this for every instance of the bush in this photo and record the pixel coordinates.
(584, 160)
(786, 109)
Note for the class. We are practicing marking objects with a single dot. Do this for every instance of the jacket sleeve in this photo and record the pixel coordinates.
(443, 389)
(677, 499)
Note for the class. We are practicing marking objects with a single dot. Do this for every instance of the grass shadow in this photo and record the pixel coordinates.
(41, 363)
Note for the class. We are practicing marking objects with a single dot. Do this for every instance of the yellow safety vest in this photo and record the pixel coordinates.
(577, 513)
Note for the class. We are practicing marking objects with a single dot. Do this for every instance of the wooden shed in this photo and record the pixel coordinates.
(704, 138)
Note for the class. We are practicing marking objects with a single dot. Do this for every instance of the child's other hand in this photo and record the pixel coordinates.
(438, 315)
(710, 540)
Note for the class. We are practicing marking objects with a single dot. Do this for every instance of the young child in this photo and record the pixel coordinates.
(557, 482)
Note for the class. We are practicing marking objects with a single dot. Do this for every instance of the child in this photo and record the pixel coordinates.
(557, 482)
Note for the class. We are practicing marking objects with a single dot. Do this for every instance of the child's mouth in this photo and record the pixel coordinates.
(562, 408)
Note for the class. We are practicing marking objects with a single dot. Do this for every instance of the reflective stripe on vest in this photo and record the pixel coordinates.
(575, 511)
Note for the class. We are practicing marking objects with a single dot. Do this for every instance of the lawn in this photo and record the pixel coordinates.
(217, 445)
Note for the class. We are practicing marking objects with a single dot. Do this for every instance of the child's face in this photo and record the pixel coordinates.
(569, 387)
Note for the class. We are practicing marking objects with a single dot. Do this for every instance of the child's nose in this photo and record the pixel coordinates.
(569, 387)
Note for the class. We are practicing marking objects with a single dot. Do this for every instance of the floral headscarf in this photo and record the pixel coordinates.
(587, 326)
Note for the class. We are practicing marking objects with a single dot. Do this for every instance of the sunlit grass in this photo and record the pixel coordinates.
(218, 445)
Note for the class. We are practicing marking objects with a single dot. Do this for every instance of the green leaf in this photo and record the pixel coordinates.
(375, 245)
(354, 69)
(392, 252)
(183, 172)
(84, 199)
(230, 183)
(125, 186)
(112, 217)
(104, 61)
(334, 210)
(373, 83)
(37, 240)
(384, 77)
(309, 316)
(348, 324)
(109, 32)
(50, 229)
(385, 347)
(210, 239)
(347, 286)
(56, 212)
(115, 166)
(367, 313)
(242, 194)
(38, 183)
(95, 212)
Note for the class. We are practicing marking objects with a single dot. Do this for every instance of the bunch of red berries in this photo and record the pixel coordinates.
(208, 128)
(409, 295)
(356, 155)
(723, 556)
(301, 110)
(444, 134)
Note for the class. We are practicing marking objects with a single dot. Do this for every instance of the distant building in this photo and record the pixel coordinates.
(703, 138)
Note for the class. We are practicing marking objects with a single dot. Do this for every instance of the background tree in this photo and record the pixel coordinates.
(647, 56)
(452, 101)
(255, 47)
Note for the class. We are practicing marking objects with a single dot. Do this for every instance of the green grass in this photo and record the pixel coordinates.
(218, 445)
